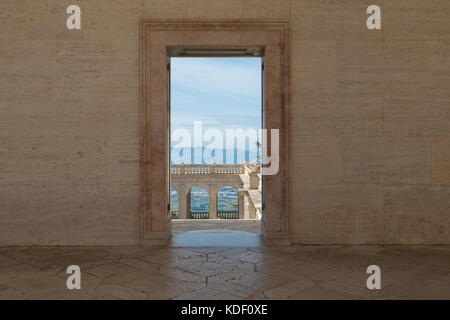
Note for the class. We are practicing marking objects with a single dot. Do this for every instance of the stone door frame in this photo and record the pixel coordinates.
(155, 38)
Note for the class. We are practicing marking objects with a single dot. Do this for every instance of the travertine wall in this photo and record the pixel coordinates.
(371, 122)
(370, 118)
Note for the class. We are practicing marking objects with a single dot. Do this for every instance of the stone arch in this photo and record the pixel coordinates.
(198, 200)
(227, 199)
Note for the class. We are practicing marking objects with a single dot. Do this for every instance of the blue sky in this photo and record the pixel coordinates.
(224, 93)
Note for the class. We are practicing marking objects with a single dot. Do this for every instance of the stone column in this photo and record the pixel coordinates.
(182, 202)
(241, 204)
(212, 191)
(246, 207)
(251, 210)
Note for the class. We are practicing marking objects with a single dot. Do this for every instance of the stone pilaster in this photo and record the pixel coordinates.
(212, 190)
(182, 199)
(241, 204)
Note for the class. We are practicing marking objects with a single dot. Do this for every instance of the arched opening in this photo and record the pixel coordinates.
(228, 203)
(174, 203)
(198, 203)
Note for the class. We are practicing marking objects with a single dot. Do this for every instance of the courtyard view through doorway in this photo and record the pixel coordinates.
(215, 158)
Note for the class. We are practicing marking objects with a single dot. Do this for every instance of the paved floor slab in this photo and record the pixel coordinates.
(307, 272)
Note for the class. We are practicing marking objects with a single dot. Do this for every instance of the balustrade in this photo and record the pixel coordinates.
(198, 169)
(244, 174)
(228, 214)
(199, 215)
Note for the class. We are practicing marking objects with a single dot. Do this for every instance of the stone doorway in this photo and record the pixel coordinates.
(156, 38)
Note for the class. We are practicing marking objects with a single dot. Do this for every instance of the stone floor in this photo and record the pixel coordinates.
(216, 232)
(225, 273)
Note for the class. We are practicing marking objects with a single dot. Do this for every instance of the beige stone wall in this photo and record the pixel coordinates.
(370, 118)
(371, 121)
